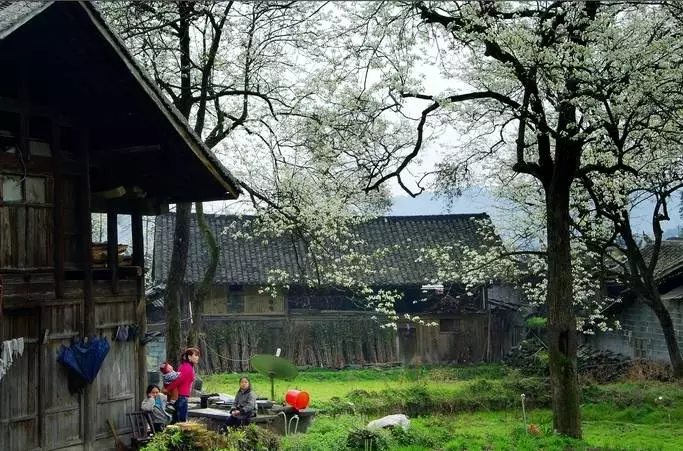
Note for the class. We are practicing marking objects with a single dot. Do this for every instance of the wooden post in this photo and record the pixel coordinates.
(113, 249)
(139, 261)
(57, 217)
(90, 394)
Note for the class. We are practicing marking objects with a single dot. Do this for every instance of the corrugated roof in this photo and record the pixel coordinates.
(247, 262)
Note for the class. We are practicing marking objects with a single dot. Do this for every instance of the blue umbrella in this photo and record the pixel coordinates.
(85, 358)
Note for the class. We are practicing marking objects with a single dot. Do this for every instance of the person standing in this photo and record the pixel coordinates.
(184, 382)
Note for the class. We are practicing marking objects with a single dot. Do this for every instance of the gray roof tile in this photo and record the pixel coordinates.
(247, 262)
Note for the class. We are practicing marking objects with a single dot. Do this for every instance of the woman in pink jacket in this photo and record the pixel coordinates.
(184, 382)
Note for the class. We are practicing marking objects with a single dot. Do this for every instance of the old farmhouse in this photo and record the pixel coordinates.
(82, 130)
(332, 328)
(641, 336)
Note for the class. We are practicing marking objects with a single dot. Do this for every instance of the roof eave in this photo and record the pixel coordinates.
(196, 145)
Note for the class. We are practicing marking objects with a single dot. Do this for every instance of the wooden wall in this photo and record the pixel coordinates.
(327, 339)
(336, 338)
(236, 299)
(26, 224)
(37, 411)
(460, 338)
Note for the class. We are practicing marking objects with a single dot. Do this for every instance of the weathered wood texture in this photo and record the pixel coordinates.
(37, 411)
(25, 236)
(222, 300)
(459, 339)
(19, 420)
(328, 339)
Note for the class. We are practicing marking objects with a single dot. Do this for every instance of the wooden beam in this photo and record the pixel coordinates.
(131, 149)
(139, 260)
(147, 206)
(58, 217)
(90, 395)
(113, 249)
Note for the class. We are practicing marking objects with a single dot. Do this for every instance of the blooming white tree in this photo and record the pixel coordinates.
(567, 90)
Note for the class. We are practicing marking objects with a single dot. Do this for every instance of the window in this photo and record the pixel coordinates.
(16, 188)
(11, 188)
(25, 221)
(235, 299)
(448, 325)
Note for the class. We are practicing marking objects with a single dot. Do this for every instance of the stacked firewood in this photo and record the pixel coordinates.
(530, 357)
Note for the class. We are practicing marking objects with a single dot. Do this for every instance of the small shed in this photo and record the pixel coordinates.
(640, 335)
(82, 129)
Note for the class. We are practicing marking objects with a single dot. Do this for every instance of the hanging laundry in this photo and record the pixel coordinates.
(11, 349)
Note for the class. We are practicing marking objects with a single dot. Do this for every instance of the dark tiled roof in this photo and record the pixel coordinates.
(670, 262)
(247, 262)
(15, 14)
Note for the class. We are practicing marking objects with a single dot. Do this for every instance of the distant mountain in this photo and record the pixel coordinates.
(478, 200)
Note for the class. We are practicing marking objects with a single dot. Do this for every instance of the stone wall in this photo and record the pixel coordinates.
(641, 334)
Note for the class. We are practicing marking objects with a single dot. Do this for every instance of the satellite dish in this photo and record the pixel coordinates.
(275, 368)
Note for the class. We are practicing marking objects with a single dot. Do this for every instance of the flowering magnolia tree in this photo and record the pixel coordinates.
(570, 92)
(319, 102)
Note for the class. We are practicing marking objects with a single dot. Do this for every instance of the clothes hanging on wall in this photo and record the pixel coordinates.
(11, 349)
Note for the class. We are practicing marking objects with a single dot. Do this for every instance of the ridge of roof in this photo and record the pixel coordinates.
(386, 217)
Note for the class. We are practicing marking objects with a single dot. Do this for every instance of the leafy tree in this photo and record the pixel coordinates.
(221, 65)
(563, 87)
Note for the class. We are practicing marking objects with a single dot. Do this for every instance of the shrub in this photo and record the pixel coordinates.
(646, 370)
(195, 437)
(366, 440)
(188, 437)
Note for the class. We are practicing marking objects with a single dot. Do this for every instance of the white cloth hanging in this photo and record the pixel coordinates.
(11, 349)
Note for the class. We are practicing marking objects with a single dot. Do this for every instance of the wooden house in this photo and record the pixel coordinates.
(82, 130)
(327, 326)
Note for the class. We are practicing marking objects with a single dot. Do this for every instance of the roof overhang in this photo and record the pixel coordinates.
(74, 62)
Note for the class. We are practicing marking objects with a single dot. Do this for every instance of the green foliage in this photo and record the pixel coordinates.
(195, 437)
(188, 437)
(366, 440)
(535, 322)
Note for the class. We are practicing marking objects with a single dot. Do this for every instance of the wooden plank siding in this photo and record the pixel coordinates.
(19, 388)
(37, 410)
(62, 414)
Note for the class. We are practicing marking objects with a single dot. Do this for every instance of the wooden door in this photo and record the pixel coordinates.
(19, 388)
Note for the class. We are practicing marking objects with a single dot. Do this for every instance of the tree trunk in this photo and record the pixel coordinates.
(176, 275)
(665, 321)
(204, 288)
(561, 321)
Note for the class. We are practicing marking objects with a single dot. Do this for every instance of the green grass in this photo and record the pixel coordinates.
(328, 385)
(474, 408)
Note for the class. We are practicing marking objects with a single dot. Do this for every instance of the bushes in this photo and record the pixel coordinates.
(347, 433)
(195, 437)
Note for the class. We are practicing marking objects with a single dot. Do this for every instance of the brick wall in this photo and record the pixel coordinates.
(641, 334)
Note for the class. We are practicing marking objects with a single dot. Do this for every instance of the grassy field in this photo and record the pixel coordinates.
(473, 408)
(325, 385)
